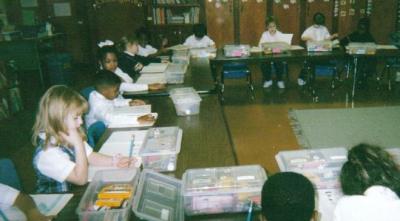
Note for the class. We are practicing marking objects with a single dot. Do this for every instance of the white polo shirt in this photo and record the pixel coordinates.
(316, 33)
(147, 50)
(204, 42)
(377, 204)
(127, 82)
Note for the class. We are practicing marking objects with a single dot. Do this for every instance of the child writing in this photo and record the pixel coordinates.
(199, 39)
(129, 61)
(145, 49)
(370, 181)
(105, 97)
(316, 32)
(272, 35)
(108, 60)
(62, 155)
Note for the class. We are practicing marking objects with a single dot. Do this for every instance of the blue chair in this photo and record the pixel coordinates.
(236, 71)
(87, 91)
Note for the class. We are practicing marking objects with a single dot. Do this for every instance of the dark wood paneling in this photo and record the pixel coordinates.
(347, 24)
(288, 19)
(383, 19)
(220, 23)
(252, 21)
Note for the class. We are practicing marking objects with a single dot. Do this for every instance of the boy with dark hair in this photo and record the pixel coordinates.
(199, 39)
(288, 196)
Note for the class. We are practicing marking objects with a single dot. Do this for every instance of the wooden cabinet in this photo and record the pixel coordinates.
(252, 21)
(220, 22)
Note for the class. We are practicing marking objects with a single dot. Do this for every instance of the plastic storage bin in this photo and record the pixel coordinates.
(180, 59)
(237, 50)
(102, 178)
(158, 198)
(275, 47)
(176, 73)
(222, 189)
(160, 148)
(186, 101)
(361, 48)
(314, 46)
(321, 166)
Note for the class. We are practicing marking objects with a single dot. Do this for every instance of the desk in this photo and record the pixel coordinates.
(205, 143)
(198, 76)
(28, 53)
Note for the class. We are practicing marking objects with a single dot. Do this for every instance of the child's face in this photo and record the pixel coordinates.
(271, 28)
(132, 48)
(74, 121)
(110, 62)
(110, 92)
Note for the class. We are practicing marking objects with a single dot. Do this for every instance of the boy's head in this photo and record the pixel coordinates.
(143, 36)
(199, 31)
(363, 26)
(107, 84)
(288, 196)
(129, 43)
(319, 18)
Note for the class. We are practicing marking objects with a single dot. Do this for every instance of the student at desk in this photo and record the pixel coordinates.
(316, 32)
(199, 39)
(366, 66)
(370, 181)
(145, 49)
(272, 35)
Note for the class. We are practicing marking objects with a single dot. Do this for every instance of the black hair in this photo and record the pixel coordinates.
(131, 39)
(199, 30)
(271, 19)
(319, 18)
(105, 79)
(367, 166)
(363, 23)
(142, 31)
(288, 196)
(103, 51)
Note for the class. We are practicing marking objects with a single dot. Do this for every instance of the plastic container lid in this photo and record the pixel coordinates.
(162, 141)
(176, 68)
(236, 179)
(158, 198)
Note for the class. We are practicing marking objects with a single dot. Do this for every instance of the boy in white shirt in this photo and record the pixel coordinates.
(199, 39)
(316, 32)
(105, 98)
(145, 49)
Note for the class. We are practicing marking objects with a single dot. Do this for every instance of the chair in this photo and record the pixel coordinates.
(236, 71)
(87, 91)
(387, 71)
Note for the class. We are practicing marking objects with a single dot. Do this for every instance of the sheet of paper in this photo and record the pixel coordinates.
(287, 38)
(48, 204)
(124, 137)
(296, 47)
(137, 110)
(327, 200)
(129, 121)
(154, 68)
(152, 78)
(383, 47)
(179, 47)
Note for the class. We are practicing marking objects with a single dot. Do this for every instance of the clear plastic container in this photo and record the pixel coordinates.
(102, 178)
(158, 198)
(321, 166)
(180, 52)
(275, 47)
(361, 48)
(315, 46)
(180, 59)
(176, 73)
(186, 101)
(160, 148)
(237, 50)
(222, 189)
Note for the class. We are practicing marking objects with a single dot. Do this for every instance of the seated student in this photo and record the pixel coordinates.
(370, 181)
(62, 155)
(11, 195)
(105, 98)
(199, 39)
(128, 60)
(145, 49)
(272, 35)
(107, 57)
(366, 66)
(316, 32)
(288, 196)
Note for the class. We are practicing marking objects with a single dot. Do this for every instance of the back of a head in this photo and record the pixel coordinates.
(106, 79)
(199, 30)
(288, 196)
(319, 18)
(367, 166)
(124, 41)
(363, 24)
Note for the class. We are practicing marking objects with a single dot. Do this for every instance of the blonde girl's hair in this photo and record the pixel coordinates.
(123, 43)
(54, 107)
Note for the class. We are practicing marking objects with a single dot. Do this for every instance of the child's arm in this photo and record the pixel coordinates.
(98, 159)
(26, 204)
(80, 172)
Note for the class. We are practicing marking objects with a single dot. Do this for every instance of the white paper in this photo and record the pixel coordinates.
(62, 9)
(287, 38)
(383, 47)
(122, 121)
(152, 78)
(154, 68)
(179, 47)
(296, 47)
(141, 109)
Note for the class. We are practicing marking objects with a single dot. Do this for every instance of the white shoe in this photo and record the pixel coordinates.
(300, 82)
(281, 84)
(267, 84)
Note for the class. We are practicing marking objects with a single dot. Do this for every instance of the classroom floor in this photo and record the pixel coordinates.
(259, 128)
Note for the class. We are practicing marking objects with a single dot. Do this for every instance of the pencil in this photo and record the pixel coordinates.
(131, 147)
(249, 214)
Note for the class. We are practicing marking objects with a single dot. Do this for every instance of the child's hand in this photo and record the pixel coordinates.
(136, 102)
(333, 36)
(146, 119)
(156, 87)
(138, 66)
(164, 42)
(125, 162)
(35, 215)
(73, 137)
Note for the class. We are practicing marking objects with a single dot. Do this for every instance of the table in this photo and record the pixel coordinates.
(198, 76)
(205, 143)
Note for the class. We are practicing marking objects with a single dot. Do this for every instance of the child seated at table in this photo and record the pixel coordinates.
(316, 32)
(288, 196)
(145, 49)
(105, 97)
(62, 155)
(199, 39)
(272, 35)
(370, 181)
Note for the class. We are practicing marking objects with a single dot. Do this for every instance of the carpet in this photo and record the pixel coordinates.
(324, 128)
